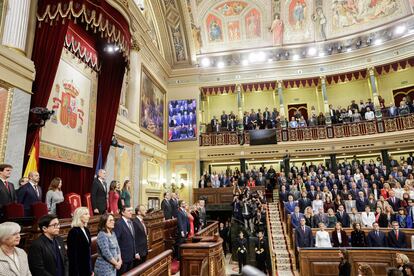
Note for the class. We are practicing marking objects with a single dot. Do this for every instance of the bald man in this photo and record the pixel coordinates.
(30, 193)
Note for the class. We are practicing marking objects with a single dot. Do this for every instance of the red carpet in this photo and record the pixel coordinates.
(175, 266)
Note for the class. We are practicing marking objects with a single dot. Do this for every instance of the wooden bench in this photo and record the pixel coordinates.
(315, 261)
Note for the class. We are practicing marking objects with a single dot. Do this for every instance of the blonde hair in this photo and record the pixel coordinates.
(8, 229)
(403, 258)
(79, 212)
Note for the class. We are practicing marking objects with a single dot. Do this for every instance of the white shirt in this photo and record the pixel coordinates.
(369, 116)
(338, 234)
(367, 219)
(322, 239)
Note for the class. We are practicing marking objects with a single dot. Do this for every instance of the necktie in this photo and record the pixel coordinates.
(396, 235)
(143, 225)
(303, 229)
(6, 183)
(377, 233)
(37, 191)
(131, 227)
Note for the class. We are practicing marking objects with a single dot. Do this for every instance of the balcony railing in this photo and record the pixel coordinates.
(316, 133)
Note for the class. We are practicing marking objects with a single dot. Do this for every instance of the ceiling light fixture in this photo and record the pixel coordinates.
(349, 49)
(252, 57)
(378, 41)
(205, 62)
(261, 56)
(245, 62)
(312, 51)
(295, 57)
(400, 29)
(220, 64)
(321, 54)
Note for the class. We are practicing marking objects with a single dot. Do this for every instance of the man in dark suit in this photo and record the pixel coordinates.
(304, 202)
(361, 202)
(174, 204)
(166, 206)
(214, 124)
(303, 235)
(376, 238)
(125, 234)
(396, 238)
(7, 192)
(295, 217)
(183, 226)
(141, 240)
(394, 201)
(99, 193)
(30, 193)
(47, 255)
(343, 216)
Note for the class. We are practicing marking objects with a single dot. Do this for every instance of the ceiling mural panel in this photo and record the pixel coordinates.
(221, 26)
(348, 17)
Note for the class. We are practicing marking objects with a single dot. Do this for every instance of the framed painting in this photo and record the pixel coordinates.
(152, 107)
(69, 136)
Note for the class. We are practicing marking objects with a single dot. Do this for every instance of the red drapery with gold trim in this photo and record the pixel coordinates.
(107, 26)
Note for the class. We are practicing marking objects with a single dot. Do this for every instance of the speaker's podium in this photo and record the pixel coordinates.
(202, 256)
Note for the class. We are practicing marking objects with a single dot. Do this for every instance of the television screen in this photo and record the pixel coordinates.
(263, 137)
(182, 120)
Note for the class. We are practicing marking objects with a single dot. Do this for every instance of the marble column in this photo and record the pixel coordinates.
(280, 94)
(324, 94)
(373, 86)
(239, 103)
(16, 24)
(134, 88)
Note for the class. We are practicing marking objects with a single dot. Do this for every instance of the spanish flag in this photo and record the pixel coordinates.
(33, 163)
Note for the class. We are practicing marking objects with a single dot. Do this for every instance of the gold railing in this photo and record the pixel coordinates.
(344, 130)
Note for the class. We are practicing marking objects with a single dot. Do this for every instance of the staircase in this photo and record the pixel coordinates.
(282, 258)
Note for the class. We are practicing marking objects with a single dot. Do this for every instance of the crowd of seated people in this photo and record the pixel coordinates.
(352, 113)
(359, 195)
(250, 178)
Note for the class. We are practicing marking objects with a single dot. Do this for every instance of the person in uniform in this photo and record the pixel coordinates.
(261, 252)
(241, 244)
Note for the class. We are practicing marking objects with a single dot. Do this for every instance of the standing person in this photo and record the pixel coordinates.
(13, 260)
(223, 232)
(113, 197)
(241, 244)
(261, 252)
(358, 238)
(54, 195)
(339, 236)
(79, 244)
(190, 220)
(322, 237)
(126, 194)
(125, 234)
(141, 234)
(183, 226)
(344, 265)
(396, 238)
(402, 261)
(98, 193)
(196, 216)
(303, 235)
(30, 193)
(203, 214)
(174, 205)
(47, 255)
(7, 192)
(376, 238)
(109, 254)
(166, 206)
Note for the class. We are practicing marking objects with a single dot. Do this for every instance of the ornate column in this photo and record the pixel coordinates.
(134, 88)
(16, 24)
(280, 94)
(239, 102)
(324, 94)
(373, 86)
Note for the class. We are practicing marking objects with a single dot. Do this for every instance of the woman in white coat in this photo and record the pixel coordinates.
(322, 238)
(367, 217)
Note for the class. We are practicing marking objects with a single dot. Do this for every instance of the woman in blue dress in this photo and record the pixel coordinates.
(109, 254)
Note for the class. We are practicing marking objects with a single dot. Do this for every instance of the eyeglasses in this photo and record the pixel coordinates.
(55, 225)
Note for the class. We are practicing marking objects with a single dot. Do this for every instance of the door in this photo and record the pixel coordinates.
(303, 109)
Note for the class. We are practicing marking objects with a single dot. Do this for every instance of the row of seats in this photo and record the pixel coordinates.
(64, 209)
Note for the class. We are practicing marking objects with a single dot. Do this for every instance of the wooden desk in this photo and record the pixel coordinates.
(219, 196)
(160, 265)
(315, 262)
(203, 258)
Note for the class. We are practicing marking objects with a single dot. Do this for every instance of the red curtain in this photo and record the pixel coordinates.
(48, 46)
